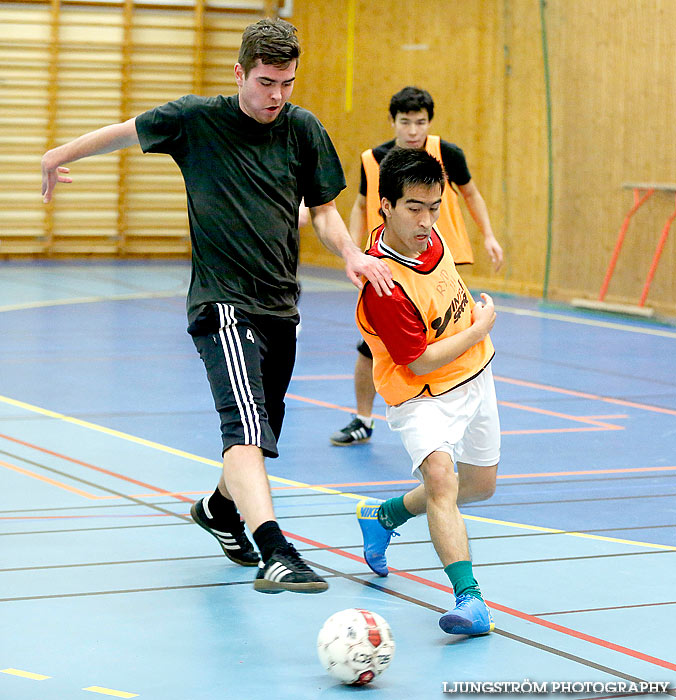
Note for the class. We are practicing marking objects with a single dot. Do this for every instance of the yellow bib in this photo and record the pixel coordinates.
(450, 222)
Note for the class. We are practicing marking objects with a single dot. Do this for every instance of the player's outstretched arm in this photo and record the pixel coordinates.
(443, 352)
(477, 208)
(332, 233)
(104, 140)
(358, 221)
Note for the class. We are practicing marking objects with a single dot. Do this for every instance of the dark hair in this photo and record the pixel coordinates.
(274, 41)
(403, 167)
(411, 99)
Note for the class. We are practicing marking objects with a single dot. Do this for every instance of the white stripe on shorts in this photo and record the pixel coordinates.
(239, 379)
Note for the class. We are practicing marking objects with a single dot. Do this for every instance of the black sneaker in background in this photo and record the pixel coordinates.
(235, 545)
(354, 433)
(286, 571)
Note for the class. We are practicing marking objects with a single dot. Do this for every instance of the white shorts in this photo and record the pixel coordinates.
(462, 422)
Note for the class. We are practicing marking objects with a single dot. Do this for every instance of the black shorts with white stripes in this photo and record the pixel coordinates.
(249, 360)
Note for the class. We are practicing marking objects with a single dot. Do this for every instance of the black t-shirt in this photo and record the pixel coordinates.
(244, 182)
(452, 158)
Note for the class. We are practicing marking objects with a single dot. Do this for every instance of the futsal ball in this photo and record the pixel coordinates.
(355, 646)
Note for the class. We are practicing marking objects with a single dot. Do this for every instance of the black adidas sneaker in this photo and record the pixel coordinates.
(235, 545)
(286, 571)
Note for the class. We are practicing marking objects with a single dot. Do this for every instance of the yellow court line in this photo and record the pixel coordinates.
(291, 482)
(109, 691)
(24, 674)
(584, 535)
(107, 431)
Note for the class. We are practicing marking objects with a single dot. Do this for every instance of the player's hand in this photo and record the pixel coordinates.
(50, 176)
(494, 251)
(376, 272)
(483, 314)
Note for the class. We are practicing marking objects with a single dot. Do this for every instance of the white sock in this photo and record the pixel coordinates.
(368, 422)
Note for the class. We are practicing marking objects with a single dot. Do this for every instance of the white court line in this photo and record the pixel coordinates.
(337, 285)
(628, 328)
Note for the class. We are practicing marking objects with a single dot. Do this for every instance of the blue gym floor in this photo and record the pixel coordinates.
(108, 433)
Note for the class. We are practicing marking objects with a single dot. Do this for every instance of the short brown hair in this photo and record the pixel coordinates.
(274, 41)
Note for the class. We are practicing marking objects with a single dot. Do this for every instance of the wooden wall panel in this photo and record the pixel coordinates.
(459, 51)
(71, 67)
(614, 96)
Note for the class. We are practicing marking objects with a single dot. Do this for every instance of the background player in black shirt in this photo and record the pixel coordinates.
(411, 113)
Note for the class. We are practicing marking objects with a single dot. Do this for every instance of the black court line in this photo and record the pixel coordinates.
(128, 591)
(110, 563)
(123, 591)
(93, 529)
(188, 521)
(553, 559)
(637, 497)
(317, 495)
(629, 528)
(95, 485)
(498, 631)
(583, 368)
(612, 607)
(95, 507)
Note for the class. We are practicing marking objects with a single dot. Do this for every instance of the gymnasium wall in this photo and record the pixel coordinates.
(613, 105)
(71, 66)
(463, 53)
(612, 96)
(67, 67)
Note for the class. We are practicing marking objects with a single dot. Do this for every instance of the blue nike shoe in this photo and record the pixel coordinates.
(376, 537)
(470, 616)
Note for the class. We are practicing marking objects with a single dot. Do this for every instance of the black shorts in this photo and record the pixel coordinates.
(365, 350)
(249, 360)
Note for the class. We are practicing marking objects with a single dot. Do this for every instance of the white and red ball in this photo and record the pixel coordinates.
(355, 646)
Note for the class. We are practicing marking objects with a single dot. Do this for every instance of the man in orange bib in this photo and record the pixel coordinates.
(411, 112)
(431, 363)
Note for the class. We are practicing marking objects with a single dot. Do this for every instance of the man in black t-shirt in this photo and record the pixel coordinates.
(247, 161)
(411, 112)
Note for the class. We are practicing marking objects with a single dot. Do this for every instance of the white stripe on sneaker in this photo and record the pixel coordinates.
(205, 505)
(276, 572)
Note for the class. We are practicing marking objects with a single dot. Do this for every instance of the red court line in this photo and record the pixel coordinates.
(168, 493)
(502, 608)
(163, 492)
(584, 395)
(534, 475)
(556, 414)
(517, 382)
(581, 419)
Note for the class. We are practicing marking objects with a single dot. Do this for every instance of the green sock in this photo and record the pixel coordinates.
(462, 579)
(393, 513)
